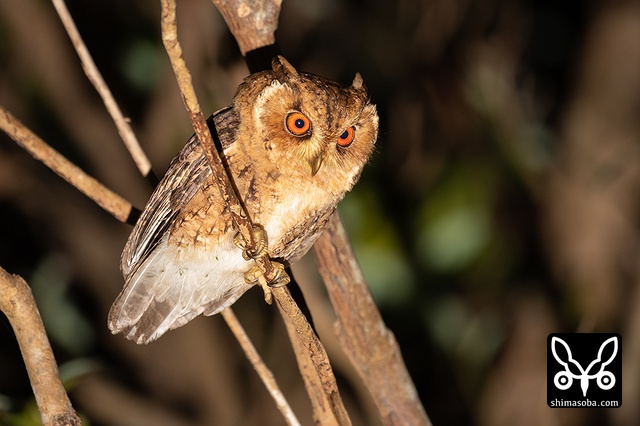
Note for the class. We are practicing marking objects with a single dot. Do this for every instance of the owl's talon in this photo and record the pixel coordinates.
(280, 277)
(261, 243)
(255, 276)
(252, 276)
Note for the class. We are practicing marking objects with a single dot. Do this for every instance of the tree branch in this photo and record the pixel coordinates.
(313, 363)
(370, 346)
(17, 302)
(253, 23)
(94, 76)
(263, 371)
(100, 194)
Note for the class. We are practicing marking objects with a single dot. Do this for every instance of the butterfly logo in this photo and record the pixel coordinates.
(595, 370)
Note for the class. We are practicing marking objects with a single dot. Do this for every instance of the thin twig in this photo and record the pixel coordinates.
(318, 361)
(16, 301)
(261, 368)
(240, 219)
(94, 76)
(103, 196)
(370, 346)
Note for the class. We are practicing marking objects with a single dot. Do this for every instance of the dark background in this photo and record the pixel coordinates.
(500, 206)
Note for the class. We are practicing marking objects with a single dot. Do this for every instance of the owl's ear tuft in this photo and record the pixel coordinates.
(358, 83)
(283, 69)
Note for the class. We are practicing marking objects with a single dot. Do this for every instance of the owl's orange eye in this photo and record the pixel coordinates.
(345, 139)
(298, 124)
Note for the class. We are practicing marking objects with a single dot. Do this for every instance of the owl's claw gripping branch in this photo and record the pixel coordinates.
(280, 276)
(267, 273)
(255, 276)
(277, 278)
(261, 243)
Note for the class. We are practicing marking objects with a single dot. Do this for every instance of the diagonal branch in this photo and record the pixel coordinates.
(30, 142)
(312, 352)
(369, 344)
(263, 371)
(240, 219)
(95, 77)
(313, 363)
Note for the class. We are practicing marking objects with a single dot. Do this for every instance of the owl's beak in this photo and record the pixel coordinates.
(315, 162)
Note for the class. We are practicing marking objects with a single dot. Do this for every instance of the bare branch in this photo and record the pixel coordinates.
(103, 196)
(253, 23)
(263, 371)
(17, 302)
(370, 346)
(313, 363)
(93, 74)
(314, 350)
(183, 76)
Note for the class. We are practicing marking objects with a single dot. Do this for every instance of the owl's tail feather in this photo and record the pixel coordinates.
(167, 291)
(157, 319)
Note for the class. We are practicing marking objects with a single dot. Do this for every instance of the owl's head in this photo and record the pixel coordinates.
(313, 127)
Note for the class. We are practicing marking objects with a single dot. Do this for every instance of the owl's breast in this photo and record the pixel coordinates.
(293, 208)
(294, 225)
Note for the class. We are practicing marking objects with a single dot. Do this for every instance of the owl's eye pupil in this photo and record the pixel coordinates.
(345, 135)
(299, 123)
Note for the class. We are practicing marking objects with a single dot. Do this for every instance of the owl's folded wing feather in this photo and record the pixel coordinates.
(183, 178)
(149, 305)
(185, 175)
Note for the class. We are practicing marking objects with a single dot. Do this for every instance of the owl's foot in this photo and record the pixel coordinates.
(255, 276)
(261, 243)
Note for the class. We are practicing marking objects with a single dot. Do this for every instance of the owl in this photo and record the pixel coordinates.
(294, 144)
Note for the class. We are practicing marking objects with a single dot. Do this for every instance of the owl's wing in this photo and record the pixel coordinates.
(148, 303)
(185, 175)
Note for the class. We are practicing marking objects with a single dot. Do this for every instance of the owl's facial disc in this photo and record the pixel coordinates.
(344, 140)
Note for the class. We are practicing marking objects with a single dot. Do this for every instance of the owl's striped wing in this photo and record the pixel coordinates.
(185, 175)
(139, 311)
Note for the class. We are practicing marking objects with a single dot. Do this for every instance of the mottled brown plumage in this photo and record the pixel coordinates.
(294, 143)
